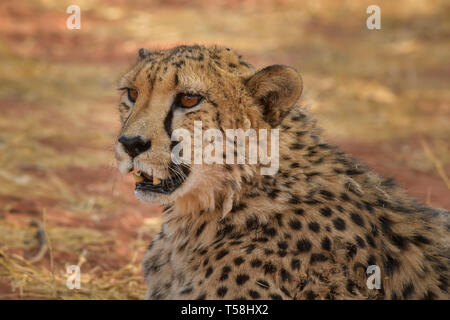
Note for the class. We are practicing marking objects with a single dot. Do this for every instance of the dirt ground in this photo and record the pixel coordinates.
(382, 95)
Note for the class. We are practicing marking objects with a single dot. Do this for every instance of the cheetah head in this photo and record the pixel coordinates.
(171, 89)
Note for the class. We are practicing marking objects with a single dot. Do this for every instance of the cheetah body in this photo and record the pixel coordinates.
(308, 232)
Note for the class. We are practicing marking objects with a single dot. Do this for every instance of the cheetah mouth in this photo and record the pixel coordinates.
(148, 183)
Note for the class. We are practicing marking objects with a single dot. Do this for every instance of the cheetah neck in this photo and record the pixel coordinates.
(221, 200)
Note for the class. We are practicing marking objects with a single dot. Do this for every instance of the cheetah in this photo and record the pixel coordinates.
(309, 231)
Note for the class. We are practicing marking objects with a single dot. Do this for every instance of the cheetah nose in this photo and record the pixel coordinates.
(134, 146)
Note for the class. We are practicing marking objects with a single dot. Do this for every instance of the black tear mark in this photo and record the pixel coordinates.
(168, 122)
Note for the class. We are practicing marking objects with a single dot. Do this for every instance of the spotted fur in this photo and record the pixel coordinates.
(308, 232)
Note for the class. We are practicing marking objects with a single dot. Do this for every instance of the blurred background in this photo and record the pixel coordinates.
(383, 95)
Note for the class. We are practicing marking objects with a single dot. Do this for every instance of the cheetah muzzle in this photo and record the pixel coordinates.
(146, 183)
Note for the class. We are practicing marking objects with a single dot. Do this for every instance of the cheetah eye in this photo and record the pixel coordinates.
(186, 100)
(132, 94)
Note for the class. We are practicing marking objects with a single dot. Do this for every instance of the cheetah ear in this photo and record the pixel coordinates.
(276, 88)
(143, 53)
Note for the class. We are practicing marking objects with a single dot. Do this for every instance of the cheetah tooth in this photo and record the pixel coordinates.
(137, 178)
(156, 181)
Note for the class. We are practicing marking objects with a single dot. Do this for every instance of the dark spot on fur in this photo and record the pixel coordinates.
(314, 226)
(421, 239)
(386, 223)
(279, 218)
(357, 219)
(251, 223)
(285, 291)
(269, 268)
(368, 206)
(408, 290)
(285, 275)
(294, 165)
(360, 242)
(208, 272)
(370, 240)
(339, 224)
(350, 286)
(222, 291)
(200, 229)
(269, 231)
(429, 295)
(272, 194)
(295, 224)
(326, 244)
(351, 172)
(351, 250)
(249, 249)
(283, 245)
(239, 206)
(310, 295)
(225, 271)
(303, 245)
(186, 290)
(317, 257)
(238, 261)
(345, 197)
(325, 211)
(275, 296)
(391, 265)
(241, 279)
(371, 261)
(294, 199)
(399, 241)
(295, 264)
(388, 182)
(297, 146)
(327, 194)
(254, 294)
(256, 263)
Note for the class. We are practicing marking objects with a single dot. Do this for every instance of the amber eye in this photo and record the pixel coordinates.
(132, 94)
(189, 100)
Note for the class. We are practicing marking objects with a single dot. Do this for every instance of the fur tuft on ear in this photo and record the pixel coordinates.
(143, 53)
(276, 89)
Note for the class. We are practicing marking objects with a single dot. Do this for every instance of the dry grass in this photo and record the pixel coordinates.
(30, 281)
(64, 238)
(436, 162)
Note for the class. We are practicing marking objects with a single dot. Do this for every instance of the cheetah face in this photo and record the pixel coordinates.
(172, 89)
